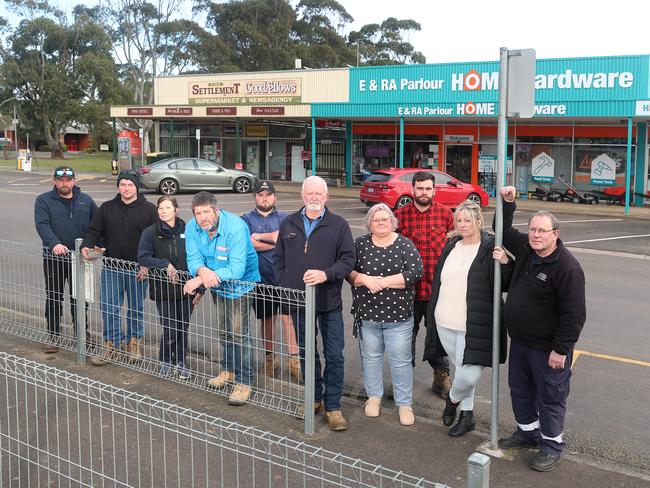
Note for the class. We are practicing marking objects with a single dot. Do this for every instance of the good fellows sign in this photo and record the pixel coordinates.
(245, 92)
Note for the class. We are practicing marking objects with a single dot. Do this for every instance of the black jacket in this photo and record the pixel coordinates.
(121, 225)
(546, 306)
(159, 246)
(61, 220)
(480, 305)
(330, 248)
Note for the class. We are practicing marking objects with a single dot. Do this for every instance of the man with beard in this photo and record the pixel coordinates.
(61, 215)
(315, 247)
(263, 223)
(427, 223)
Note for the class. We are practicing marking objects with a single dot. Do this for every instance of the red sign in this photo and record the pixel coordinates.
(139, 111)
(330, 123)
(305, 155)
(221, 110)
(267, 110)
(239, 166)
(178, 111)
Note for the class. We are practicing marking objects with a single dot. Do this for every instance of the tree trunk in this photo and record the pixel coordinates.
(57, 152)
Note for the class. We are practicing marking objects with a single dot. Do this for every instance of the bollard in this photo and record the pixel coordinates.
(478, 471)
(310, 356)
(81, 303)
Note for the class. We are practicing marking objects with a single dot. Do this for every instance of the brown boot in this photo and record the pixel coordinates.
(50, 347)
(336, 421)
(240, 395)
(271, 363)
(318, 408)
(441, 383)
(105, 355)
(133, 349)
(294, 367)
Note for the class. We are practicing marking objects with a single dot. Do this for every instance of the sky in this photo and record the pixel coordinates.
(474, 30)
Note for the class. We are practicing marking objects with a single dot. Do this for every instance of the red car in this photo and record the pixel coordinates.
(393, 186)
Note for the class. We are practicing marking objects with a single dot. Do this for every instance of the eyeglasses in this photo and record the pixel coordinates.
(380, 221)
(540, 231)
(63, 172)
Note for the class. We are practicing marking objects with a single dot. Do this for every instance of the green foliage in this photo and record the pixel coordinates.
(381, 44)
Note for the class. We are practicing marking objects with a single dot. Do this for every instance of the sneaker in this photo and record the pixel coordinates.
(240, 394)
(336, 421)
(105, 355)
(294, 367)
(373, 405)
(133, 349)
(517, 441)
(271, 363)
(441, 383)
(221, 380)
(318, 408)
(182, 371)
(406, 416)
(50, 347)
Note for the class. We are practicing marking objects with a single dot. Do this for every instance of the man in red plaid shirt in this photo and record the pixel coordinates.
(426, 223)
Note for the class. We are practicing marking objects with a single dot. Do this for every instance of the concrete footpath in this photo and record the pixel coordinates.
(423, 450)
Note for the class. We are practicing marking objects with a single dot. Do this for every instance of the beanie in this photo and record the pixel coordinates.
(128, 175)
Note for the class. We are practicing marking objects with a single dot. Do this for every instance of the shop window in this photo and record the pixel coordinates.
(560, 155)
(544, 139)
(585, 157)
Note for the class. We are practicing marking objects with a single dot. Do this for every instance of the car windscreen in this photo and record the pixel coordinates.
(378, 177)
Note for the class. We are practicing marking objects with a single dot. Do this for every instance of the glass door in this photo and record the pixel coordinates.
(458, 162)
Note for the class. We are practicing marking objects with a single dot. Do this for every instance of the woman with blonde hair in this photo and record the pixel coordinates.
(461, 310)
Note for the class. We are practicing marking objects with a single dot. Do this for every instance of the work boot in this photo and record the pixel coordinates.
(544, 461)
(183, 371)
(240, 395)
(221, 380)
(441, 383)
(406, 416)
(50, 347)
(318, 408)
(271, 363)
(133, 349)
(294, 367)
(464, 425)
(449, 414)
(335, 420)
(373, 405)
(517, 441)
(105, 355)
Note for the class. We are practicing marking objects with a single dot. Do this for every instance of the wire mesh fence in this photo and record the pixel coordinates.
(61, 429)
(238, 340)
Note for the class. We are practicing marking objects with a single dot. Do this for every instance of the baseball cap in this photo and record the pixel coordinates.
(64, 171)
(264, 185)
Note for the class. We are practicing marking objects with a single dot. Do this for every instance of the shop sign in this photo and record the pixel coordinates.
(603, 170)
(140, 111)
(178, 111)
(267, 110)
(257, 131)
(221, 111)
(643, 108)
(330, 123)
(245, 92)
(543, 168)
(459, 138)
(305, 155)
(488, 164)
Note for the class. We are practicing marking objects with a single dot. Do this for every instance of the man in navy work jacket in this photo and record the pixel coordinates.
(315, 247)
(61, 215)
(544, 313)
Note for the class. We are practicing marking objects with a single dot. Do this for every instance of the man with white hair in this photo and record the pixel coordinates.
(315, 247)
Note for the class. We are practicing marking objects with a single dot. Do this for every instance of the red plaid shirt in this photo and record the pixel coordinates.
(428, 231)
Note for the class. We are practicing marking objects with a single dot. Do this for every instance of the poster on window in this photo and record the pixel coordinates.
(542, 168)
(600, 166)
(603, 170)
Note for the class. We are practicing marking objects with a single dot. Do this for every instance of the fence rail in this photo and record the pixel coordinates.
(58, 429)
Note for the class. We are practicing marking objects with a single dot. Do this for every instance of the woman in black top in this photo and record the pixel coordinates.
(162, 250)
(388, 265)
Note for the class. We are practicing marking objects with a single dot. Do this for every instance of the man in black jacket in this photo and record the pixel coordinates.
(315, 247)
(120, 222)
(61, 215)
(544, 313)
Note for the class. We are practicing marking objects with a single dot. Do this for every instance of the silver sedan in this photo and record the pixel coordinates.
(172, 175)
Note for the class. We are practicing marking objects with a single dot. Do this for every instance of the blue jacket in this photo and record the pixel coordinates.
(259, 224)
(230, 254)
(329, 248)
(61, 220)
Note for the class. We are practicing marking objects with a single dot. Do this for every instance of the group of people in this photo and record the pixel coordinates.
(420, 262)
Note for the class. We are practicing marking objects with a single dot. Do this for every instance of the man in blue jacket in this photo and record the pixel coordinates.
(61, 215)
(315, 247)
(221, 257)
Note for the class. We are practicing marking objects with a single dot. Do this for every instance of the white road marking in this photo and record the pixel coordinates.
(23, 184)
(576, 221)
(607, 239)
(616, 254)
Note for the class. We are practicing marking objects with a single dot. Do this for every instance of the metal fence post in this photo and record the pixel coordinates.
(80, 310)
(478, 471)
(310, 356)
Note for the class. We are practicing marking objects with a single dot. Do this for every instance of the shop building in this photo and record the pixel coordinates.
(590, 125)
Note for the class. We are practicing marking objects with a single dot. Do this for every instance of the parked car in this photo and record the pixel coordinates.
(172, 175)
(393, 186)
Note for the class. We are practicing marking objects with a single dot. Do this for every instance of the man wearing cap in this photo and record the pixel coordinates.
(61, 215)
(119, 223)
(263, 223)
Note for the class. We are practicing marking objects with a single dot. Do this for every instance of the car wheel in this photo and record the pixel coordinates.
(168, 186)
(242, 185)
(474, 198)
(403, 201)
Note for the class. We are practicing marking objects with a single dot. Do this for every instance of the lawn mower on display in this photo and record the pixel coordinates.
(574, 195)
(544, 194)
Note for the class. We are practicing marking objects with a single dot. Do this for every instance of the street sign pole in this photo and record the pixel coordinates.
(141, 134)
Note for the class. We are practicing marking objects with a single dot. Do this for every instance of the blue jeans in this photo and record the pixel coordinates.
(233, 315)
(330, 325)
(395, 339)
(115, 283)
